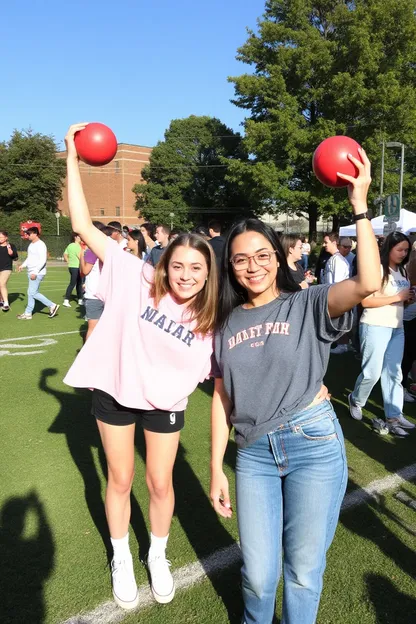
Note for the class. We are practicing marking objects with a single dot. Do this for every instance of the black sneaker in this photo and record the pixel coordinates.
(54, 310)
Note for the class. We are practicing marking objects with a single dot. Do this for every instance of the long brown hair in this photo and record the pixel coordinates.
(203, 308)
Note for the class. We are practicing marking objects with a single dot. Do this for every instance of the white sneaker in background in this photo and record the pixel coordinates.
(355, 410)
(66, 303)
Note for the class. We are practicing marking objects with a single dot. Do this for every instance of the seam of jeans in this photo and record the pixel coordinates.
(329, 411)
(284, 452)
(332, 436)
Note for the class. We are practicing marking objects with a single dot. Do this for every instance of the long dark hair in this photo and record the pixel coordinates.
(231, 293)
(136, 235)
(393, 239)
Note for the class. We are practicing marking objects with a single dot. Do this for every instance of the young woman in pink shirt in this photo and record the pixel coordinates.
(150, 349)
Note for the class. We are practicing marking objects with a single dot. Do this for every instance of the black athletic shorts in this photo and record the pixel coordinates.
(106, 409)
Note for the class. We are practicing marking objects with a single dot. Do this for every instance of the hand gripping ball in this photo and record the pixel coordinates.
(96, 144)
(331, 156)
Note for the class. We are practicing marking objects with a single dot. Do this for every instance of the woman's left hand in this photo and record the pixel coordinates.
(358, 187)
(322, 395)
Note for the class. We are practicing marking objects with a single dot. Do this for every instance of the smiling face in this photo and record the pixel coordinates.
(258, 281)
(187, 273)
(398, 253)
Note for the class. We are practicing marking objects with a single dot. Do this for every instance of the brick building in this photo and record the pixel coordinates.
(108, 189)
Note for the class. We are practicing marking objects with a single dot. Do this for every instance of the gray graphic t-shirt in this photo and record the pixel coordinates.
(273, 359)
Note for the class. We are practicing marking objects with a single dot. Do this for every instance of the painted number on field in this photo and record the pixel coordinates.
(25, 346)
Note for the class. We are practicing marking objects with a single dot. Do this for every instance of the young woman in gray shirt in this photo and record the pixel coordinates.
(272, 349)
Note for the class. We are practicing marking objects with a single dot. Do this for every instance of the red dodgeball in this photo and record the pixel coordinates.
(331, 156)
(96, 144)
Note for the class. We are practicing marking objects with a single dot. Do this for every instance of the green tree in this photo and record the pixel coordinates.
(186, 175)
(319, 69)
(31, 176)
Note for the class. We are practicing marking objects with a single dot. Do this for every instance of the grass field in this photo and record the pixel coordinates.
(53, 534)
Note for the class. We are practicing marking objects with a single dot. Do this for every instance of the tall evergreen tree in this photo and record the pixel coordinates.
(323, 68)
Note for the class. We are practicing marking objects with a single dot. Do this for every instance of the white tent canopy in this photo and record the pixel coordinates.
(406, 224)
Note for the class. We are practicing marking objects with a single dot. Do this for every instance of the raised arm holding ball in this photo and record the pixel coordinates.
(272, 352)
(150, 349)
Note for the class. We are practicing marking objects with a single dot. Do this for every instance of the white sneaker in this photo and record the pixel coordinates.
(162, 585)
(24, 317)
(66, 303)
(342, 348)
(409, 398)
(125, 590)
(355, 410)
(80, 301)
(406, 424)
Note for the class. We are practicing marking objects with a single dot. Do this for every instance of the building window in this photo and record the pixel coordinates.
(117, 165)
(117, 211)
(102, 212)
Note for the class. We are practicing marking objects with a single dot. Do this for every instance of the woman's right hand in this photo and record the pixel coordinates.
(219, 494)
(404, 295)
(71, 150)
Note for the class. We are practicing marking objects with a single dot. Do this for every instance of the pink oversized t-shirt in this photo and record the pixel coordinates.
(143, 357)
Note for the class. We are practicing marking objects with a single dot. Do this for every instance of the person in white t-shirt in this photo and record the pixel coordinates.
(35, 264)
(337, 269)
(382, 339)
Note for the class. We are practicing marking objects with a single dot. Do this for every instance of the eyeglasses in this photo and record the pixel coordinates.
(241, 262)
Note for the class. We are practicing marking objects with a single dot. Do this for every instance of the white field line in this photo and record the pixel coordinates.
(185, 577)
(76, 331)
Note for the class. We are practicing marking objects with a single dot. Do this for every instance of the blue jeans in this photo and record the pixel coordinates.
(32, 294)
(382, 351)
(290, 485)
(305, 261)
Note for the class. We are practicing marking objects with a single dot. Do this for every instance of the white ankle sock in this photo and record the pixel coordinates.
(157, 546)
(121, 547)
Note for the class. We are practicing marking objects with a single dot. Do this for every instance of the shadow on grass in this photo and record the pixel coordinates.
(79, 427)
(390, 605)
(27, 560)
(365, 522)
(13, 297)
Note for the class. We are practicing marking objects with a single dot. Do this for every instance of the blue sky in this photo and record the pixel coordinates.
(133, 65)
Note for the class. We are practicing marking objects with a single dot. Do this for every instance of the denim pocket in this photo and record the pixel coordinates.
(320, 429)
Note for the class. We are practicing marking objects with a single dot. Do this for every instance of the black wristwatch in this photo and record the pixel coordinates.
(363, 215)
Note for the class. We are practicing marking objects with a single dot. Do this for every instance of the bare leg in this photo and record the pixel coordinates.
(118, 443)
(161, 449)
